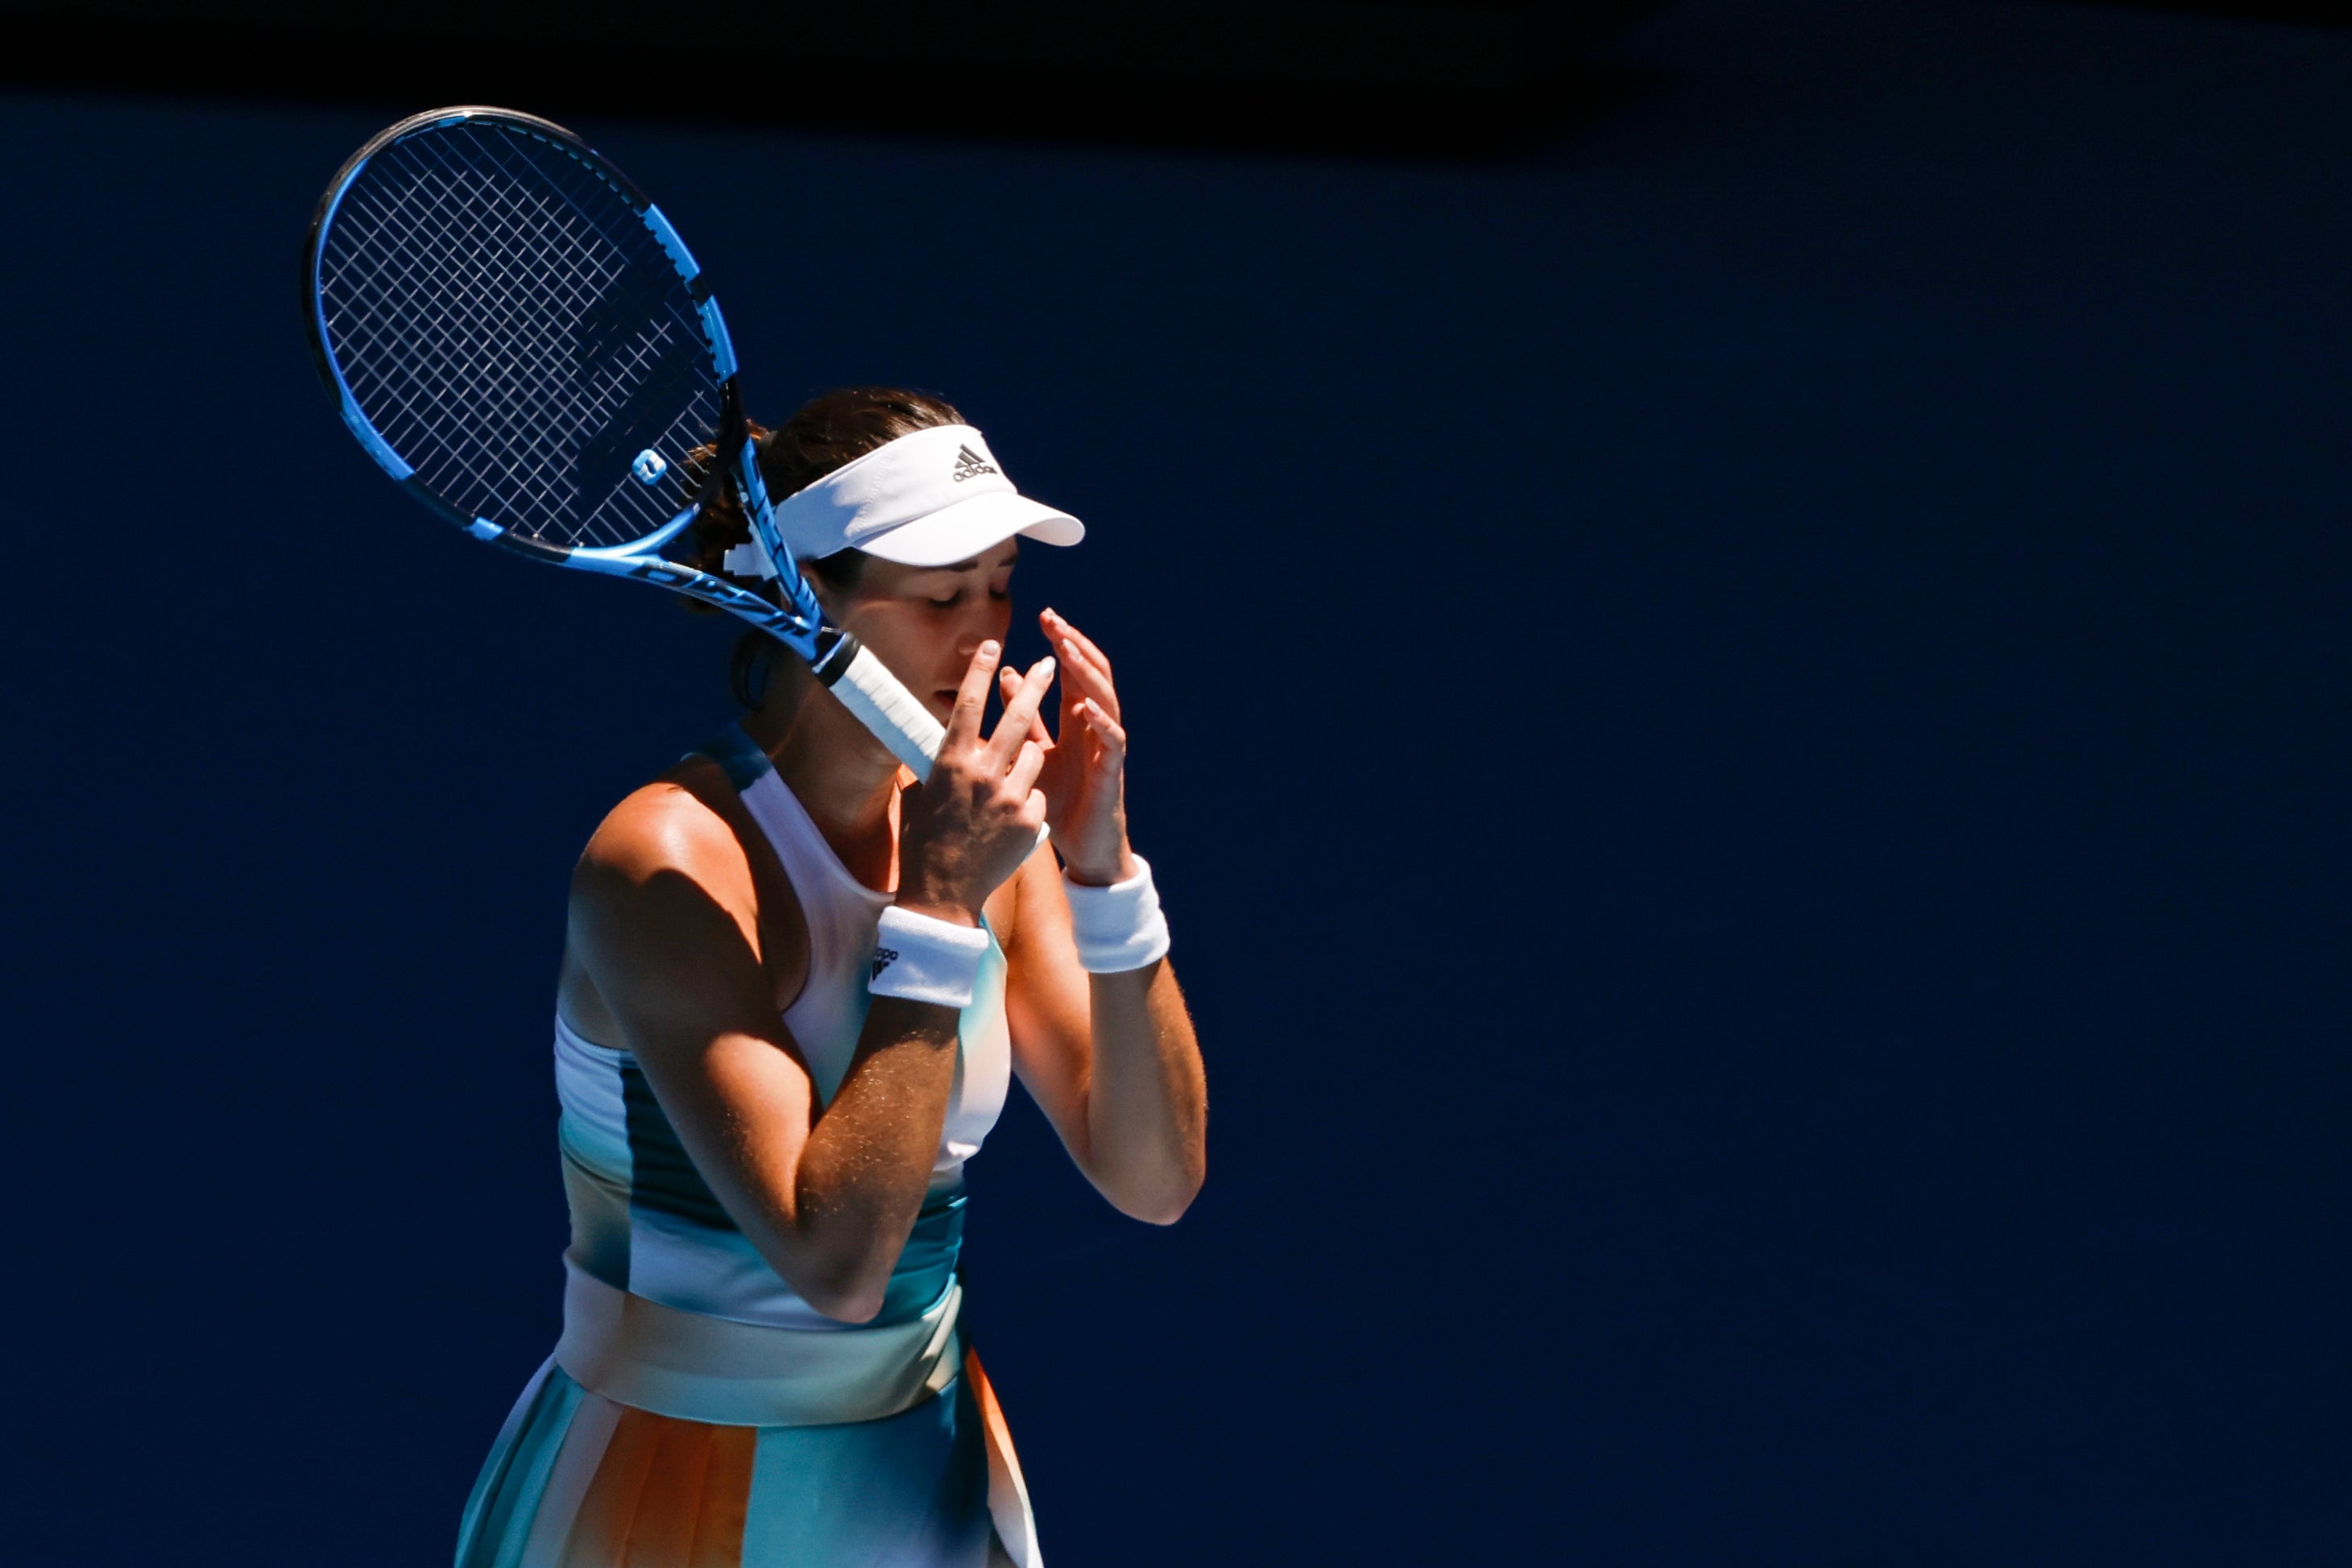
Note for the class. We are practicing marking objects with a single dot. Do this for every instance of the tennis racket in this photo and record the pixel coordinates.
(521, 338)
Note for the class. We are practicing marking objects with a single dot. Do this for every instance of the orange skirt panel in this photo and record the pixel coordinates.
(577, 1480)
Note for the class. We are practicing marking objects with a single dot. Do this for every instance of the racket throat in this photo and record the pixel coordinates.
(833, 649)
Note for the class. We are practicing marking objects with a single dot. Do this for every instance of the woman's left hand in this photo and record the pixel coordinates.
(1085, 775)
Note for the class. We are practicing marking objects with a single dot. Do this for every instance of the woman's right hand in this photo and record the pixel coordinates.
(976, 818)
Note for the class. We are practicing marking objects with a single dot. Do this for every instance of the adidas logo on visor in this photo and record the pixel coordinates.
(970, 465)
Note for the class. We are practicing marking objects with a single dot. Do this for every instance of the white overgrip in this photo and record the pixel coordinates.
(890, 711)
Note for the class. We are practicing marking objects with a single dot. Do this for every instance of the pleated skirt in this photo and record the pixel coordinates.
(577, 1480)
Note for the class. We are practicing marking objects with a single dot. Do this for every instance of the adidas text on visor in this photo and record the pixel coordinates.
(931, 498)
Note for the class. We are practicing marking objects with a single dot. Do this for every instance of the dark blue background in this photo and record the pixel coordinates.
(1743, 723)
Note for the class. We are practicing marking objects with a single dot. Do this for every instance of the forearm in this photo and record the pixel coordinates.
(1147, 1098)
(860, 1179)
(867, 1160)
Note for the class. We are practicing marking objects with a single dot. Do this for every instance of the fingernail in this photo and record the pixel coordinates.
(988, 650)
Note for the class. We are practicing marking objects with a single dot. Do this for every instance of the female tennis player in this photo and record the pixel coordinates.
(795, 987)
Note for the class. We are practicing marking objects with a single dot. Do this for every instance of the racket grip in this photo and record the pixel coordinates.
(889, 710)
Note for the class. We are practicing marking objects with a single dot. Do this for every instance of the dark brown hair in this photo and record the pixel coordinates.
(827, 432)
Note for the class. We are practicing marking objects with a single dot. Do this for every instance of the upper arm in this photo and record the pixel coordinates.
(665, 919)
(1047, 1002)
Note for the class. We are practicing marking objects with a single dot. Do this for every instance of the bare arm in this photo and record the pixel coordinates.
(1110, 1059)
(664, 920)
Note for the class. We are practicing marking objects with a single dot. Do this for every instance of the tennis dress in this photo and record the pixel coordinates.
(697, 1412)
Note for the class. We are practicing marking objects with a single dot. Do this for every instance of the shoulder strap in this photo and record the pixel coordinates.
(737, 754)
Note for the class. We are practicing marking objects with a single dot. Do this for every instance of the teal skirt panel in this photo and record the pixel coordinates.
(576, 1481)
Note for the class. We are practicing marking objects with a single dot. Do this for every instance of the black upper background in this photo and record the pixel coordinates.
(1741, 717)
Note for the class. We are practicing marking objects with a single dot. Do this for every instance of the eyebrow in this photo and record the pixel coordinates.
(971, 564)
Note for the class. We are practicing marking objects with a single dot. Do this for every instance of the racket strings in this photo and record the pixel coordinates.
(478, 365)
(493, 350)
(496, 281)
(485, 345)
(516, 333)
(503, 388)
(491, 283)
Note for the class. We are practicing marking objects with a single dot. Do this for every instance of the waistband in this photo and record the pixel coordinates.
(639, 1353)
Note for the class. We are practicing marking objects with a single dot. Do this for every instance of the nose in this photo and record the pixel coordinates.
(984, 620)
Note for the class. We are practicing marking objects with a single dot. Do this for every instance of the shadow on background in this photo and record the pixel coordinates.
(1742, 721)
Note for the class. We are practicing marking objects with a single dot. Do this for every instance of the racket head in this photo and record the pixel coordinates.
(516, 335)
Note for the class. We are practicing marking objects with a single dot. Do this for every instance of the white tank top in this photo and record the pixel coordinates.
(643, 1220)
(841, 915)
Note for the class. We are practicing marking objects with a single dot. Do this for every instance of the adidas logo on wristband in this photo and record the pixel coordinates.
(922, 959)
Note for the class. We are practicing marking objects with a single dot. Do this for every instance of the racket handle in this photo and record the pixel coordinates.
(889, 710)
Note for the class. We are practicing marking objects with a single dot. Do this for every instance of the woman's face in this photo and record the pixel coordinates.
(925, 622)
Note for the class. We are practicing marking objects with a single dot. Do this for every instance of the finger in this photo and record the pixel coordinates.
(1027, 767)
(1062, 629)
(971, 698)
(1086, 679)
(1039, 731)
(1008, 686)
(1034, 812)
(1106, 733)
(1073, 652)
(1073, 693)
(1060, 633)
(1020, 715)
(1087, 673)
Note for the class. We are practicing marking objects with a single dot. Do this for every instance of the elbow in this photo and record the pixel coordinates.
(1163, 1205)
(853, 1310)
(843, 1292)
(852, 1304)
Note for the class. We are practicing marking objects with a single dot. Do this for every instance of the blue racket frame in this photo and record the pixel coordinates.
(795, 618)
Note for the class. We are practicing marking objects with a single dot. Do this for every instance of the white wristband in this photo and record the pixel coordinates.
(1118, 927)
(925, 960)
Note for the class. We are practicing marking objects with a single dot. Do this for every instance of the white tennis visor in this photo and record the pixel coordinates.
(932, 498)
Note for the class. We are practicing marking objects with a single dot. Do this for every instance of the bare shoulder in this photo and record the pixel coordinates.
(677, 826)
(664, 922)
